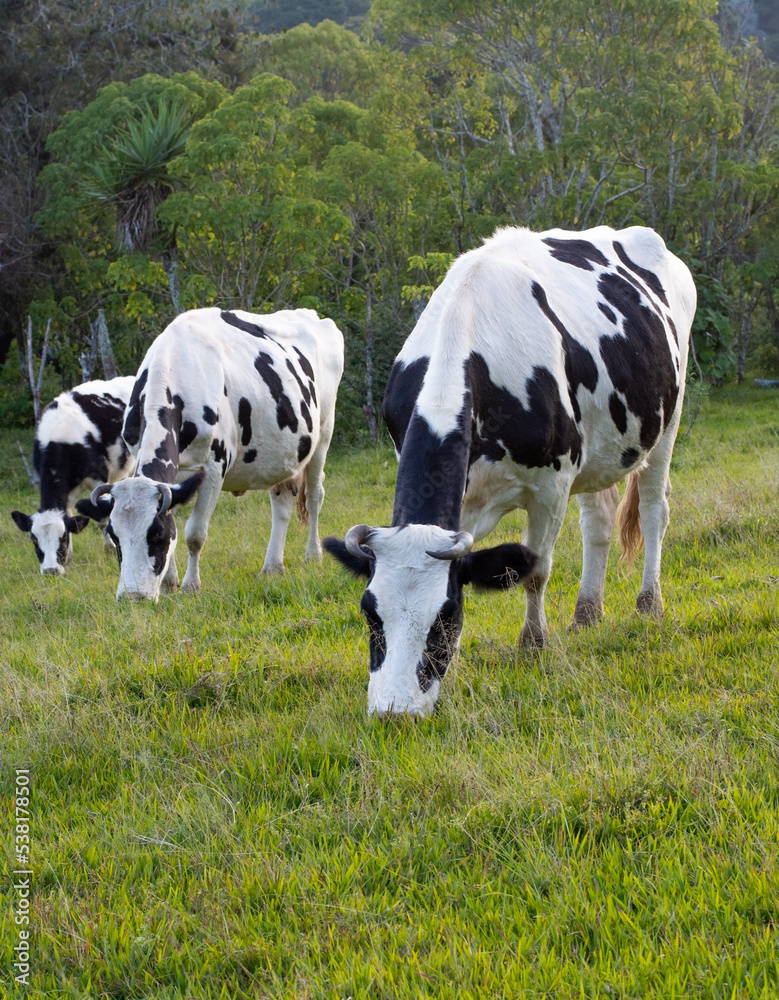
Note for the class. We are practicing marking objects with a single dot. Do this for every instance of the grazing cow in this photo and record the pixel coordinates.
(244, 402)
(545, 364)
(78, 444)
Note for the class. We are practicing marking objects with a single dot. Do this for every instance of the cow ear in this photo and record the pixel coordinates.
(360, 566)
(184, 492)
(76, 524)
(22, 521)
(497, 568)
(95, 511)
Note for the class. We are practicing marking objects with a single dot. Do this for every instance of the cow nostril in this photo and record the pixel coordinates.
(53, 571)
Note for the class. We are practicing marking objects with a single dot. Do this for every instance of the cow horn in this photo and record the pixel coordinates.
(355, 540)
(166, 497)
(463, 542)
(98, 491)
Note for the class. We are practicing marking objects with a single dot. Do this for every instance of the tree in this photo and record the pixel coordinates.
(248, 230)
(107, 177)
(588, 112)
(132, 174)
(56, 56)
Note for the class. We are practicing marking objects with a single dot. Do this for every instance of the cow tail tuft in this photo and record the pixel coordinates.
(302, 510)
(629, 521)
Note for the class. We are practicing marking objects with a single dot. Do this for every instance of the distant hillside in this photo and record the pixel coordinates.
(269, 16)
(752, 18)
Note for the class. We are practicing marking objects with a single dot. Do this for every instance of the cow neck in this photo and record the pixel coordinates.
(432, 472)
(53, 497)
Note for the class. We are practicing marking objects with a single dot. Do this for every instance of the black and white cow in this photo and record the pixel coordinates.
(78, 444)
(545, 364)
(245, 402)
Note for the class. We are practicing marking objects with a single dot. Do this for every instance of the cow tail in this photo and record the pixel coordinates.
(629, 521)
(302, 510)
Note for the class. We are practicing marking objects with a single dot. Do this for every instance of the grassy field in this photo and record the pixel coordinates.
(214, 815)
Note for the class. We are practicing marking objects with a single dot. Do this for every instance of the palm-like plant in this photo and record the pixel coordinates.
(132, 174)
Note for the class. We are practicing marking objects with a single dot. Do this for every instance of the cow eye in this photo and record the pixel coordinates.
(157, 530)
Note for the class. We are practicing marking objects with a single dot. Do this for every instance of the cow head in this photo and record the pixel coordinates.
(142, 528)
(413, 603)
(50, 531)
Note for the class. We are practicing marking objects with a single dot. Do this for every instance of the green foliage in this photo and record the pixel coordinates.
(213, 815)
(711, 330)
(133, 174)
(330, 62)
(244, 221)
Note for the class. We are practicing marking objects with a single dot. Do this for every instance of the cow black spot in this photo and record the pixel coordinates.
(305, 364)
(164, 466)
(608, 313)
(580, 367)
(134, 415)
(250, 455)
(649, 278)
(576, 252)
(432, 472)
(403, 388)
(306, 414)
(639, 361)
(629, 457)
(441, 640)
(114, 538)
(220, 454)
(536, 436)
(241, 324)
(377, 641)
(618, 413)
(169, 394)
(159, 537)
(209, 416)
(53, 405)
(36, 546)
(285, 414)
(304, 392)
(106, 413)
(245, 420)
(61, 467)
(187, 435)
(304, 447)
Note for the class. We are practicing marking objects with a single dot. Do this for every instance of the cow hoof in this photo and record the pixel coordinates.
(650, 603)
(585, 614)
(190, 588)
(533, 637)
(275, 570)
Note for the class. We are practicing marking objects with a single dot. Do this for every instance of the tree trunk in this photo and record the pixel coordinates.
(104, 346)
(36, 384)
(170, 265)
(369, 410)
(88, 358)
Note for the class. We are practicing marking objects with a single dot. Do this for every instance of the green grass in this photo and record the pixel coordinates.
(215, 815)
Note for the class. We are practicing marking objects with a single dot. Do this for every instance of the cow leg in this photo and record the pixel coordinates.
(597, 514)
(282, 501)
(196, 529)
(545, 515)
(315, 495)
(654, 488)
